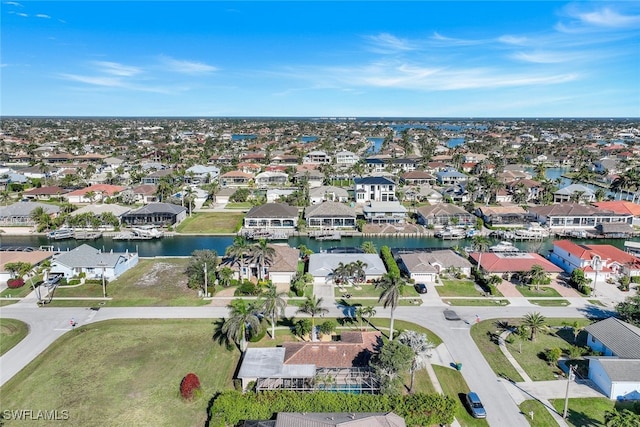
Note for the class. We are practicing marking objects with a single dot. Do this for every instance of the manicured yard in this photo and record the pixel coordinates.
(459, 288)
(374, 302)
(498, 362)
(454, 385)
(240, 206)
(20, 292)
(153, 282)
(588, 411)
(370, 291)
(476, 302)
(549, 302)
(543, 292)
(211, 223)
(541, 417)
(12, 331)
(126, 372)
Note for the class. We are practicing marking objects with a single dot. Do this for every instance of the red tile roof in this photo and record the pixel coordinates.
(513, 262)
(607, 253)
(354, 349)
(98, 188)
(620, 207)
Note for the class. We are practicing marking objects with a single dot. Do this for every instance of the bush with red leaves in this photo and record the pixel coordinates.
(189, 386)
(15, 283)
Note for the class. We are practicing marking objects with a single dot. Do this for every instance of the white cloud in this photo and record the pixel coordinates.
(513, 40)
(543, 57)
(24, 15)
(13, 3)
(116, 82)
(187, 67)
(117, 69)
(451, 41)
(388, 43)
(606, 17)
(43, 16)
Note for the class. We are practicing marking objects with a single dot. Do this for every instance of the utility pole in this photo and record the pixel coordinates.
(205, 280)
(566, 396)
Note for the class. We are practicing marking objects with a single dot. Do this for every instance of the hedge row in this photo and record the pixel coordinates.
(230, 408)
(389, 261)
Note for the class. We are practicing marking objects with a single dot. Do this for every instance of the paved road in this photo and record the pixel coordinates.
(48, 324)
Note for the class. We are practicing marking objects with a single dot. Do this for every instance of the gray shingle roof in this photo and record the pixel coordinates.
(329, 210)
(88, 256)
(621, 369)
(152, 208)
(321, 265)
(622, 338)
(273, 210)
(25, 208)
(335, 419)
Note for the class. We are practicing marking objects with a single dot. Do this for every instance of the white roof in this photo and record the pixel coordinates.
(321, 265)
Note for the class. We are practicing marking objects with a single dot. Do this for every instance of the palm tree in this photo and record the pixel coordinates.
(242, 316)
(392, 286)
(421, 347)
(359, 271)
(225, 274)
(273, 305)
(190, 196)
(91, 195)
(369, 247)
(366, 311)
(313, 307)
(537, 276)
(262, 254)
(480, 243)
(163, 190)
(339, 274)
(238, 250)
(535, 322)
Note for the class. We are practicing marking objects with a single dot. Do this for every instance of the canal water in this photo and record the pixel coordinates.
(185, 245)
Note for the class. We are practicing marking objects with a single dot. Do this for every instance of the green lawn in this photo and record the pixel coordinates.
(596, 302)
(549, 302)
(476, 302)
(588, 411)
(498, 362)
(242, 206)
(125, 372)
(458, 288)
(12, 331)
(541, 417)
(20, 292)
(454, 385)
(370, 291)
(153, 282)
(211, 223)
(543, 292)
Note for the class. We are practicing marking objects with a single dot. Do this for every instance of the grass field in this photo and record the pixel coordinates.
(12, 331)
(454, 385)
(533, 293)
(541, 417)
(458, 288)
(153, 282)
(125, 372)
(549, 302)
(476, 302)
(491, 351)
(588, 411)
(211, 222)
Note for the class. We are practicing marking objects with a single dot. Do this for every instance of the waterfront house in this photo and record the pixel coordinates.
(574, 216)
(617, 371)
(384, 212)
(280, 268)
(20, 213)
(374, 188)
(160, 214)
(612, 261)
(425, 266)
(332, 419)
(44, 193)
(92, 262)
(574, 192)
(330, 215)
(99, 192)
(35, 258)
(272, 216)
(322, 265)
(502, 216)
(508, 263)
(622, 207)
(307, 366)
(444, 214)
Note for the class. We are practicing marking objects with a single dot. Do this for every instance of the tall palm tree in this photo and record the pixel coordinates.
(189, 194)
(359, 271)
(367, 311)
(535, 322)
(225, 274)
(262, 254)
(313, 307)
(537, 276)
(421, 347)
(242, 316)
(238, 250)
(339, 274)
(392, 286)
(273, 304)
(481, 244)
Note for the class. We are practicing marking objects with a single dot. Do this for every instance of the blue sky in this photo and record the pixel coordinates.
(416, 59)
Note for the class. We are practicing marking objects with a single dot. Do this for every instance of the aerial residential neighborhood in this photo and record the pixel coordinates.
(323, 245)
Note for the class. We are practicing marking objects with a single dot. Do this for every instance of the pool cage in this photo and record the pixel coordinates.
(346, 380)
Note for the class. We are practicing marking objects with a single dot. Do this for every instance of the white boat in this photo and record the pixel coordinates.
(62, 234)
(450, 233)
(504, 246)
(533, 231)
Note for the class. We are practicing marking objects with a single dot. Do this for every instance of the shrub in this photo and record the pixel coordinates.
(190, 386)
(247, 288)
(255, 336)
(635, 279)
(389, 261)
(551, 355)
(302, 327)
(15, 283)
(327, 327)
(73, 282)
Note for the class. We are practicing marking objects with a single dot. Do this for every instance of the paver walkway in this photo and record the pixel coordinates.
(565, 291)
(509, 290)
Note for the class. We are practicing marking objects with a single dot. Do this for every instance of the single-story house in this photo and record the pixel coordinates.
(20, 213)
(384, 212)
(44, 193)
(34, 258)
(617, 372)
(276, 194)
(155, 177)
(302, 366)
(99, 192)
(444, 214)
(201, 173)
(418, 178)
(574, 216)
(93, 262)
(222, 196)
(321, 265)
(502, 216)
(425, 266)
(156, 214)
(272, 216)
(330, 215)
(328, 192)
(143, 193)
(513, 262)
(235, 179)
(332, 419)
(117, 210)
(265, 179)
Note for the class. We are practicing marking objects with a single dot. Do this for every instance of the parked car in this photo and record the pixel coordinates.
(475, 405)
(421, 288)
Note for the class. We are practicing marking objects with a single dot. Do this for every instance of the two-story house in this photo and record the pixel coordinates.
(374, 188)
